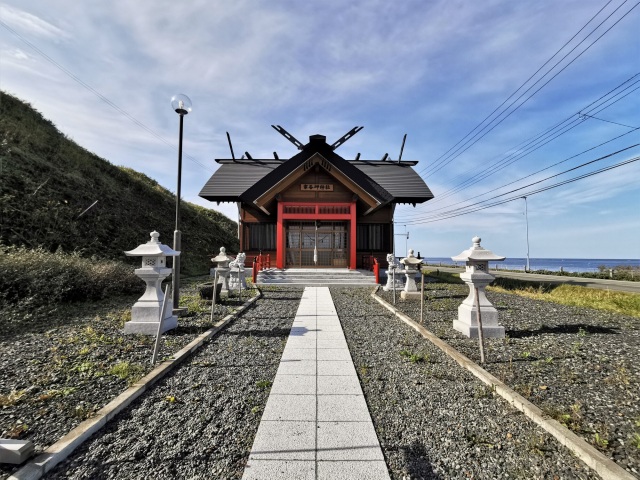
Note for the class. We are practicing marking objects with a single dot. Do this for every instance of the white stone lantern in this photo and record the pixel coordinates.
(222, 259)
(477, 276)
(145, 313)
(411, 267)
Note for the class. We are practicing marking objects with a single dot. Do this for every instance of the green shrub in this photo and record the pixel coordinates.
(35, 278)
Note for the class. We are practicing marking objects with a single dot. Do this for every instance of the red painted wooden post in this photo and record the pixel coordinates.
(280, 238)
(376, 270)
(352, 240)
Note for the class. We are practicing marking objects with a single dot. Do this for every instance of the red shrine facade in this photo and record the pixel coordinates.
(316, 209)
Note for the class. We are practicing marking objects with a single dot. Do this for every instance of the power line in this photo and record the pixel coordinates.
(445, 159)
(608, 121)
(527, 176)
(527, 194)
(534, 144)
(523, 84)
(99, 95)
(443, 214)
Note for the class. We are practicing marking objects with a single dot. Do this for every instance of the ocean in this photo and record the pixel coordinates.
(578, 265)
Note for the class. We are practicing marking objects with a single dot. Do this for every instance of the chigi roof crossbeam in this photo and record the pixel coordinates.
(345, 137)
(288, 136)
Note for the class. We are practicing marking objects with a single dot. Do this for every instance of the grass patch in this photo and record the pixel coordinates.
(443, 277)
(127, 371)
(618, 302)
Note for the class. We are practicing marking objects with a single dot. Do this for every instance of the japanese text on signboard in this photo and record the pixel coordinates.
(317, 187)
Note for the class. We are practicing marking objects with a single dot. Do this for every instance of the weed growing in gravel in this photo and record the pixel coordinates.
(16, 430)
(12, 398)
(620, 376)
(635, 441)
(526, 390)
(576, 346)
(599, 441)
(264, 384)
(127, 371)
(536, 444)
(415, 357)
(83, 412)
(49, 394)
(572, 420)
(256, 410)
(484, 391)
(195, 304)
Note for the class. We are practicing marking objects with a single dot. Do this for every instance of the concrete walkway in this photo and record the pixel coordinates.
(316, 424)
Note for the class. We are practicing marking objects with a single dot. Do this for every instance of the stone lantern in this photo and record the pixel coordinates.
(411, 267)
(222, 259)
(145, 313)
(477, 276)
(236, 272)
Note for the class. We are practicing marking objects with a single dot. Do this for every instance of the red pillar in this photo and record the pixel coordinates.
(352, 240)
(280, 238)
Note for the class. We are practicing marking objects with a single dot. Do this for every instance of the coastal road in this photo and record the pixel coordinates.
(603, 284)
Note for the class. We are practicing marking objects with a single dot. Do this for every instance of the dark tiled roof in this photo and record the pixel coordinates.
(245, 180)
(399, 179)
(232, 179)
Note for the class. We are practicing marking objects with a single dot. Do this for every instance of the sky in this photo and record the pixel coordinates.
(105, 72)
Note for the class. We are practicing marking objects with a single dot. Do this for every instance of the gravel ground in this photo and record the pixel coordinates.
(199, 422)
(433, 418)
(57, 371)
(578, 365)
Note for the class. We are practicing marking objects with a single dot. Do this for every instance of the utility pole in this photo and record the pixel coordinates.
(526, 216)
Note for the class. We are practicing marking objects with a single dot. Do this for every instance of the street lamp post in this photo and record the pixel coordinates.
(526, 216)
(182, 106)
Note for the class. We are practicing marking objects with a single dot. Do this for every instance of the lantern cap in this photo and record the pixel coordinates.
(153, 248)
(477, 253)
(410, 259)
(222, 256)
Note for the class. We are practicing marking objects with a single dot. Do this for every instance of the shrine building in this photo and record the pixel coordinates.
(316, 209)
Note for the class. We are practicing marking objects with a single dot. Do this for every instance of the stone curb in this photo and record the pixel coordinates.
(601, 464)
(60, 450)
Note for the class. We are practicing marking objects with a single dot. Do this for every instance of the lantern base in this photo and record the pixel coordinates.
(150, 328)
(410, 295)
(145, 318)
(471, 331)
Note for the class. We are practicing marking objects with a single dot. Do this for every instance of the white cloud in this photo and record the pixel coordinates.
(25, 22)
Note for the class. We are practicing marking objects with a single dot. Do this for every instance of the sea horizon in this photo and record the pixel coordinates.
(555, 264)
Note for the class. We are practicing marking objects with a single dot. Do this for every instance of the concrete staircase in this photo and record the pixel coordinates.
(317, 277)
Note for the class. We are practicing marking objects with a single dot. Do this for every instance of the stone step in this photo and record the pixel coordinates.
(312, 276)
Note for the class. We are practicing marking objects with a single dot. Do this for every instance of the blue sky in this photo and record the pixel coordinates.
(431, 69)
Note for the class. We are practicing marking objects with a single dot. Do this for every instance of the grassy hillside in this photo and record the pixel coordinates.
(47, 181)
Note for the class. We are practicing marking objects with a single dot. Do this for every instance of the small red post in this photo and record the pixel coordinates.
(268, 260)
(376, 269)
